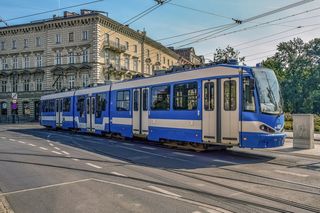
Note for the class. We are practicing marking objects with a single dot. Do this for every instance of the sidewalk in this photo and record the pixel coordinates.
(316, 136)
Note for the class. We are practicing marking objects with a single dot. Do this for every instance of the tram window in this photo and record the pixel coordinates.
(145, 100)
(209, 96)
(248, 96)
(101, 105)
(66, 104)
(160, 98)
(123, 100)
(135, 100)
(230, 95)
(185, 96)
(80, 106)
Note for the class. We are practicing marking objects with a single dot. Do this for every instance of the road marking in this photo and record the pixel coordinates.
(51, 144)
(66, 153)
(225, 161)
(57, 148)
(183, 154)
(164, 191)
(3, 138)
(75, 159)
(43, 148)
(291, 173)
(147, 147)
(22, 142)
(214, 210)
(93, 165)
(56, 152)
(48, 141)
(30, 144)
(119, 174)
(44, 187)
(12, 139)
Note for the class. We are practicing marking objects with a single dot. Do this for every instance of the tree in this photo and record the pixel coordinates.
(297, 66)
(223, 56)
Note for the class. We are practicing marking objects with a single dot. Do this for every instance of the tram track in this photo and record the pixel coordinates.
(217, 196)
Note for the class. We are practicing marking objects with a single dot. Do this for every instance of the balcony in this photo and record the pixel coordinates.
(114, 46)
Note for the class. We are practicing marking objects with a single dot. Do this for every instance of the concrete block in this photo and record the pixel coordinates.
(303, 131)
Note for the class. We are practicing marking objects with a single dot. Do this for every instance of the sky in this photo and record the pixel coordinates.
(170, 20)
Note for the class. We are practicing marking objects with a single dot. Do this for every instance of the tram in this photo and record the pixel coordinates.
(228, 105)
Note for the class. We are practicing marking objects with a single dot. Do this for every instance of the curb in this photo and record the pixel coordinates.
(316, 139)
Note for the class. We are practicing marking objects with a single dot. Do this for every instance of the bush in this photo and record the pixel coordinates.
(289, 122)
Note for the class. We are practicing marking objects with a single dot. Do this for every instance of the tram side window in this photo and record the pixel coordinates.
(135, 100)
(209, 96)
(81, 106)
(160, 98)
(123, 100)
(101, 105)
(66, 104)
(230, 95)
(145, 100)
(51, 106)
(185, 96)
(248, 96)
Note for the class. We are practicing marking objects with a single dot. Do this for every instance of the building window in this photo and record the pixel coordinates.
(2, 45)
(15, 62)
(101, 104)
(106, 37)
(123, 100)
(26, 85)
(71, 57)
(58, 39)
(248, 96)
(117, 62)
(85, 80)
(84, 35)
(160, 98)
(14, 44)
(127, 45)
(58, 58)
(118, 42)
(135, 48)
(107, 57)
(15, 85)
(71, 81)
(4, 64)
(39, 61)
(26, 62)
(148, 53)
(3, 86)
(38, 41)
(185, 96)
(127, 62)
(209, 96)
(38, 84)
(230, 95)
(158, 57)
(59, 83)
(148, 69)
(85, 56)
(135, 64)
(164, 60)
(71, 37)
(4, 108)
(26, 108)
(26, 43)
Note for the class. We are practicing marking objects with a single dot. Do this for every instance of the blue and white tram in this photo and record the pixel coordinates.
(220, 105)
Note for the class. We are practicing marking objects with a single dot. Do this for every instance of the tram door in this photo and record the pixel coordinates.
(220, 111)
(230, 111)
(58, 112)
(140, 115)
(209, 111)
(90, 108)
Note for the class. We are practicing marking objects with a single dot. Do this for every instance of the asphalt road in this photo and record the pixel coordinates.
(51, 171)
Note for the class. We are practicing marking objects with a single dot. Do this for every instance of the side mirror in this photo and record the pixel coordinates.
(252, 84)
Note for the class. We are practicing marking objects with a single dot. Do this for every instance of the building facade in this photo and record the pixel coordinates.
(189, 56)
(70, 52)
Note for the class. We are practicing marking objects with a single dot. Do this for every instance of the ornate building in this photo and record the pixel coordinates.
(69, 52)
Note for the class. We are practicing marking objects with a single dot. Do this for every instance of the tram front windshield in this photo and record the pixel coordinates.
(268, 90)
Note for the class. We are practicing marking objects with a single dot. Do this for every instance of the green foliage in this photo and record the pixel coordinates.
(223, 56)
(297, 66)
(289, 122)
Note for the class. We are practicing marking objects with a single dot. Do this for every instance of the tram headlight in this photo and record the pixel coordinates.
(267, 129)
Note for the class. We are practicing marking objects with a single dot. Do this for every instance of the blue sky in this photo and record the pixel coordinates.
(171, 20)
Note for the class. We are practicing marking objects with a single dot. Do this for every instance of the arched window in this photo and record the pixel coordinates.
(26, 108)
